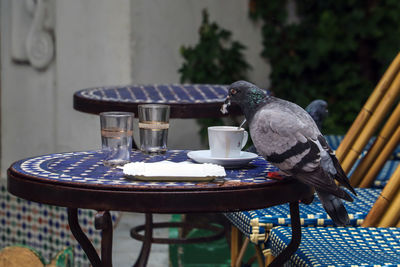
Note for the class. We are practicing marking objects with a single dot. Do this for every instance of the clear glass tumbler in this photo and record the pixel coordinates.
(153, 128)
(116, 137)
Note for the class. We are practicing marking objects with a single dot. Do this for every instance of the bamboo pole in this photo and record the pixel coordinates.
(259, 255)
(368, 108)
(240, 256)
(235, 244)
(383, 200)
(380, 161)
(398, 224)
(268, 257)
(392, 214)
(375, 151)
(370, 128)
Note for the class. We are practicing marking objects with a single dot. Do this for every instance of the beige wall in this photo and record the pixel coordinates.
(27, 123)
(92, 48)
(102, 42)
(93, 44)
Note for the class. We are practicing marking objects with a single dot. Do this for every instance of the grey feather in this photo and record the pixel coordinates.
(288, 137)
(334, 207)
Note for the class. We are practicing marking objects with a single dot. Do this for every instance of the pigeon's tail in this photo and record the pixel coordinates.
(334, 207)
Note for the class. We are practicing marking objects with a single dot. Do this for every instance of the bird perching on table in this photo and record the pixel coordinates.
(286, 136)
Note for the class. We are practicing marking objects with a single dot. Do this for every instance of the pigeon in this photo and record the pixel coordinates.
(287, 136)
(318, 111)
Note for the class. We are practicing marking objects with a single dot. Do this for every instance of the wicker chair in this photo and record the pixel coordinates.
(338, 246)
(375, 243)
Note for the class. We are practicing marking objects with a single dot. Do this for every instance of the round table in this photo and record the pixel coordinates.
(186, 100)
(80, 180)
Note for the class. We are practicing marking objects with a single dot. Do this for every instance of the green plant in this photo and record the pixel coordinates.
(215, 59)
(335, 50)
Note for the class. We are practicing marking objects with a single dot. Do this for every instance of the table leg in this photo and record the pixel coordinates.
(146, 245)
(103, 222)
(296, 237)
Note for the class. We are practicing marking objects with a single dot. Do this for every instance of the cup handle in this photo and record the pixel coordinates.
(245, 137)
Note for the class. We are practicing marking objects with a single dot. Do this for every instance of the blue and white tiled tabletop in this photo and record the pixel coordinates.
(186, 100)
(158, 93)
(86, 169)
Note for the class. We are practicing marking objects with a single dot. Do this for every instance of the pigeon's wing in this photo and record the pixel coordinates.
(284, 140)
(339, 174)
(322, 182)
(293, 147)
(317, 176)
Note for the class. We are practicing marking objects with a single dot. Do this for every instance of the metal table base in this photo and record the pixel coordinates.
(103, 222)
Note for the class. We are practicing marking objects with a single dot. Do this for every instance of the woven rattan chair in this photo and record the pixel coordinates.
(255, 225)
(375, 243)
(338, 246)
(367, 207)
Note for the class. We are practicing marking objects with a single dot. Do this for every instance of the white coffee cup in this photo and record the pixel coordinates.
(226, 141)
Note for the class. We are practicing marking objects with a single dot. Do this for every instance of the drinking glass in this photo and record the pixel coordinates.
(153, 128)
(116, 137)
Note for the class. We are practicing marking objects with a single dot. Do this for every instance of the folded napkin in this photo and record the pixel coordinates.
(173, 169)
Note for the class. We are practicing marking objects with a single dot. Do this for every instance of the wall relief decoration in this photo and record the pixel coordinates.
(32, 32)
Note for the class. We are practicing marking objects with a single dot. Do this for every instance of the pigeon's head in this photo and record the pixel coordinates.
(318, 110)
(318, 106)
(245, 94)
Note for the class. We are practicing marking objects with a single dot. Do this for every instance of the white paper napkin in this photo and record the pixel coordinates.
(173, 169)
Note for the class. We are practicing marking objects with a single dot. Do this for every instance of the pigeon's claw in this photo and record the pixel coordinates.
(227, 103)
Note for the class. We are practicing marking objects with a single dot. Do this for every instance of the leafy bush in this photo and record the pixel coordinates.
(336, 50)
(215, 59)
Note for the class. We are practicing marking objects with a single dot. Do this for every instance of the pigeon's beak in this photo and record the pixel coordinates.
(226, 104)
(228, 100)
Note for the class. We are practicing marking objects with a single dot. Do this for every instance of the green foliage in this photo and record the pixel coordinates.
(337, 50)
(215, 59)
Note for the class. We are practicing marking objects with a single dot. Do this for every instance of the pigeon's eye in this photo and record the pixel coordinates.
(233, 91)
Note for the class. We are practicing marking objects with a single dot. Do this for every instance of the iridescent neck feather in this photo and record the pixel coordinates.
(255, 98)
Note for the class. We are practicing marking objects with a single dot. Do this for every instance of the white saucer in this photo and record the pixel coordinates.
(204, 156)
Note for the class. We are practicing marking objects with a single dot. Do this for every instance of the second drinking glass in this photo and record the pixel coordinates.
(153, 128)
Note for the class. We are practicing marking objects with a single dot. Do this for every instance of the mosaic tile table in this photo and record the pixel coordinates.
(186, 100)
(80, 180)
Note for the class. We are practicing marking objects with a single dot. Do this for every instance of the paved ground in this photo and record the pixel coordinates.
(126, 249)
